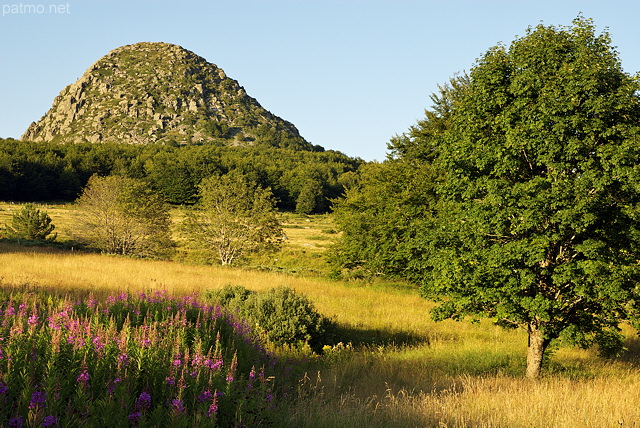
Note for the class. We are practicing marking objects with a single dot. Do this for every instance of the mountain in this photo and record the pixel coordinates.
(160, 93)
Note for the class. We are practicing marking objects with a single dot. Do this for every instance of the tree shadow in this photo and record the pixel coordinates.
(358, 336)
(632, 351)
(18, 246)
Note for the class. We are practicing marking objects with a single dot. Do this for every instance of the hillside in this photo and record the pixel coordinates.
(160, 93)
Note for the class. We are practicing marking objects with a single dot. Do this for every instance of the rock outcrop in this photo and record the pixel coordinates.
(160, 93)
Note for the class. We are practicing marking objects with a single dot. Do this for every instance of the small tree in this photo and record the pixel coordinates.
(122, 215)
(32, 224)
(235, 217)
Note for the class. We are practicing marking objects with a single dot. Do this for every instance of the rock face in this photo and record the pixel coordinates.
(160, 93)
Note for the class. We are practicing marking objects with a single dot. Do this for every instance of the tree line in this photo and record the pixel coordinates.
(233, 219)
(304, 181)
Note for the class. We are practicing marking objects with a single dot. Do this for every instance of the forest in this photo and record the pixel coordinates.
(304, 181)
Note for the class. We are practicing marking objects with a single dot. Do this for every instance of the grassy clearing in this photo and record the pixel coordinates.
(394, 367)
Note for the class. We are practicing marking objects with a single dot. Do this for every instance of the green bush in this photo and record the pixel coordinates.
(32, 224)
(281, 315)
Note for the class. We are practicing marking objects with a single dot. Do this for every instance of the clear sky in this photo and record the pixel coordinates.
(349, 74)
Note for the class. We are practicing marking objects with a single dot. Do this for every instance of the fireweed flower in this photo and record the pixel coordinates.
(123, 359)
(113, 384)
(83, 378)
(144, 401)
(214, 364)
(177, 406)
(38, 399)
(205, 396)
(15, 422)
(135, 417)
(213, 408)
(170, 381)
(33, 320)
(50, 421)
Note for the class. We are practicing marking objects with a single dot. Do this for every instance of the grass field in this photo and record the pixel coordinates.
(394, 367)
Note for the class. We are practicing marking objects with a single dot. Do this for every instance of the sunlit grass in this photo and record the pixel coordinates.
(395, 366)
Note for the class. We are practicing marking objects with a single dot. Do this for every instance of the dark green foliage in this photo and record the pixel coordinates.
(32, 224)
(310, 197)
(57, 172)
(282, 315)
(386, 209)
(536, 216)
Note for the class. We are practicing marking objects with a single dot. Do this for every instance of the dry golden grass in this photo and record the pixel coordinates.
(61, 216)
(407, 372)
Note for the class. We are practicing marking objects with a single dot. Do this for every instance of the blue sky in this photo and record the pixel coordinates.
(349, 74)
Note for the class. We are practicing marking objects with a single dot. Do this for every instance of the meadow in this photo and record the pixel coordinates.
(389, 365)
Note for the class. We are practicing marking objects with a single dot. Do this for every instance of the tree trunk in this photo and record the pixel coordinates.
(535, 352)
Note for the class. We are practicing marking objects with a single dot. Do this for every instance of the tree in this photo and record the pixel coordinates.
(121, 215)
(383, 211)
(539, 213)
(32, 224)
(310, 196)
(536, 220)
(235, 217)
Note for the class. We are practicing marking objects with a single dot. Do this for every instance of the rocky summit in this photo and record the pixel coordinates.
(160, 93)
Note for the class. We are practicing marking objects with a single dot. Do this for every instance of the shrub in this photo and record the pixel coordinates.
(281, 315)
(31, 223)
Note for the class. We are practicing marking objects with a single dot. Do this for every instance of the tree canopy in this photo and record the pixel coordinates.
(121, 215)
(299, 179)
(536, 216)
(235, 217)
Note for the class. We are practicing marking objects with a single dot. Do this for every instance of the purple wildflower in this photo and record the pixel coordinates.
(83, 378)
(177, 362)
(177, 406)
(33, 320)
(3, 388)
(213, 408)
(15, 422)
(98, 345)
(269, 398)
(170, 381)
(135, 417)
(144, 401)
(50, 421)
(123, 359)
(205, 396)
(214, 364)
(38, 398)
(112, 385)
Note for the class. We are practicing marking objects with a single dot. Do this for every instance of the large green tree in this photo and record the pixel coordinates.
(536, 222)
(539, 212)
